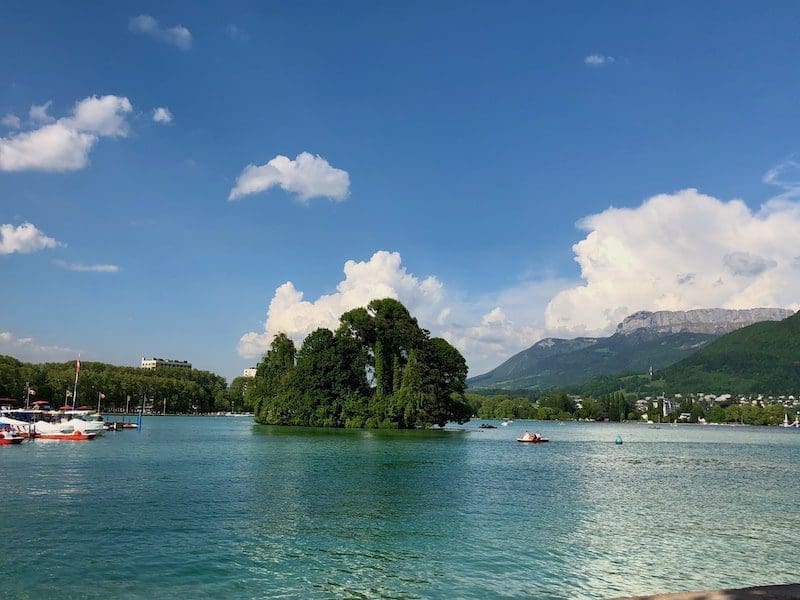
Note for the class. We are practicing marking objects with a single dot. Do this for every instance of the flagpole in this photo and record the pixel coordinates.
(98, 401)
(75, 387)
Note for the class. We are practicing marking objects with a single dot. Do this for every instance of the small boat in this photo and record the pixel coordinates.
(9, 437)
(73, 436)
(127, 425)
(532, 438)
(487, 426)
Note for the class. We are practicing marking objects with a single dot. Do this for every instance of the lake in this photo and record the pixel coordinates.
(220, 507)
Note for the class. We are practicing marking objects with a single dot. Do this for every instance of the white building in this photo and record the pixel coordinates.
(249, 372)
(155, 363)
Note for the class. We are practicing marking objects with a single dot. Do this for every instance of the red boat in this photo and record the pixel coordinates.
(9, 437)
(532, 438)
(73, 436)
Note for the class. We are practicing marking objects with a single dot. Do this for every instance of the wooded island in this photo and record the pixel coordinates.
(379, 369)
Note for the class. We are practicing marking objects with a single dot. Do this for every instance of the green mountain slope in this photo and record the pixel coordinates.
(556, 363)
(761, 358)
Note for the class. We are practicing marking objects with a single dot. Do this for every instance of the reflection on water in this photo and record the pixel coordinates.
(221, 507)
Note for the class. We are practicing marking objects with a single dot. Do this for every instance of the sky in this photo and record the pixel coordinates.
(185, 181)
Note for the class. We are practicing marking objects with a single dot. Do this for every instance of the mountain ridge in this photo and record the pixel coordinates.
(644, 339)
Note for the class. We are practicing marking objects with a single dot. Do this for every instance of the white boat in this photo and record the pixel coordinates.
(81, 420)
(51, 425)
(27, 424)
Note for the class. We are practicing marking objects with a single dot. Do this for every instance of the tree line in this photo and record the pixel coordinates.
(185, 391)
(553, 406)
(379, 369)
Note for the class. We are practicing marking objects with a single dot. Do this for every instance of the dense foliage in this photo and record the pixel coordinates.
(378, 370)
(553, 406)
(184, 390)
(762, 358)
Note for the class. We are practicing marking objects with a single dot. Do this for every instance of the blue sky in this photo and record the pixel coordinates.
(474, 137)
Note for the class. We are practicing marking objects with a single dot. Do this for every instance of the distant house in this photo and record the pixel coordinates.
(249, 372)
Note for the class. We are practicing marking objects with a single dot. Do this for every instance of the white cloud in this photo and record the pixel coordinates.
(27, 349)
(178, 35)
(382, 276)
(11, 121)
(81, 267)
(162, 115)
(24, 239)
(493, 327)
(307, 176)
(676, 252)
(38, 113)
(64, 145)
(487, 330)
(598, 60)
(103, 116)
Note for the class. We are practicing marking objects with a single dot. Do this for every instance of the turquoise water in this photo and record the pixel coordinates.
(219, 507)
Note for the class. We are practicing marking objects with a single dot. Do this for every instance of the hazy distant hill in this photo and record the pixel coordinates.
(761, 358)
(644, 339)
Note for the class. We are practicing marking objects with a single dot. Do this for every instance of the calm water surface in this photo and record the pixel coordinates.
(219, 507)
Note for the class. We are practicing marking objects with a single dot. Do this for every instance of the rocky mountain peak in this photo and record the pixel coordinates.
(714, 321)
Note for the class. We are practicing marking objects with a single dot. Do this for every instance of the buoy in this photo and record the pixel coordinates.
(618, 440)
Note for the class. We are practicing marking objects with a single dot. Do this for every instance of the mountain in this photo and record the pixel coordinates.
(761, 358)
(642, 340)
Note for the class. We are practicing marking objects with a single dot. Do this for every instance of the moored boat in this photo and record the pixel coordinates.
(9, 437)
(72, 436)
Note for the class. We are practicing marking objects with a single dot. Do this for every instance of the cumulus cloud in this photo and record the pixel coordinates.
(64, 145)
(162, 115)
(38, 113)
(307, 176)
(11, 121)
(598, 60)
(178, 35)
(28, 349)
(639, 258)
(84, 268)
(486, 329)
(24, 239)
(382, 276)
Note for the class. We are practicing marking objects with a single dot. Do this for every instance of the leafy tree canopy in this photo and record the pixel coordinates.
(378, 369)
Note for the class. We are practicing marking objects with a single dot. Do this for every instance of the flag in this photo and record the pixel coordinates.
(69, 394)
(78, 365)
(102, 396)
(31, 392)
